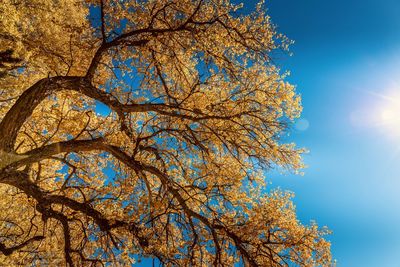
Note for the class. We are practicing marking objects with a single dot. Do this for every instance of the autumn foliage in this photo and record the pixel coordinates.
(144, 129)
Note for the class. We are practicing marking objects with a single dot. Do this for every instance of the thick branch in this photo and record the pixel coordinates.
(24, 106)
(8, 251)
(31, 98)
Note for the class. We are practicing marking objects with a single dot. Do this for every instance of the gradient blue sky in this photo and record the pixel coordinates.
(346, 65)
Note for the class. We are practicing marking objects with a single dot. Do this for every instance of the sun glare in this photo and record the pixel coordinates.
(381, 112)
(388, 113)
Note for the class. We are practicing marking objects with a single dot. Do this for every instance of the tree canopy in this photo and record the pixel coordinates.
(144, 129)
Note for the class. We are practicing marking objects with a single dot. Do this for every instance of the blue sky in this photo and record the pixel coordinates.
(346, 66)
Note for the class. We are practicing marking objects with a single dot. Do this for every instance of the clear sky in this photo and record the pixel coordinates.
(346, 65)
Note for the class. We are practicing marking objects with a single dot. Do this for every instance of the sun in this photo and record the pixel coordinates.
(379, 112)
(388, 117)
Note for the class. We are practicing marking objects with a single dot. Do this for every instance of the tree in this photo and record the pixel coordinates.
(144, 129)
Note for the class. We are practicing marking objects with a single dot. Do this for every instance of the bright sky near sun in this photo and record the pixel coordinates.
(346, 65)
